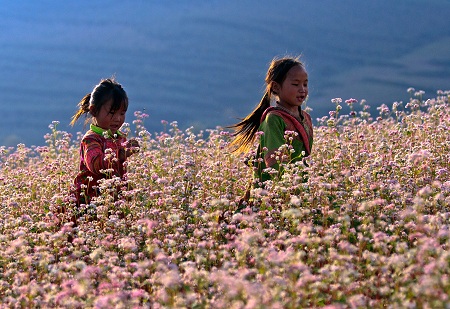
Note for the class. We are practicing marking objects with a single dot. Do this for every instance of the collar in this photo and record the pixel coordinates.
(300, 111)
(108, 133)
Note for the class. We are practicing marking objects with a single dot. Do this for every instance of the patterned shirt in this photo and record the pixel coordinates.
(99, 159)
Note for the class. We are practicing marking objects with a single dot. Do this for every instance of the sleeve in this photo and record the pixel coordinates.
(273, 127)
(94, 156)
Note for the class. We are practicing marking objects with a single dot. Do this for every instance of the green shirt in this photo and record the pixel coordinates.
(274, 128)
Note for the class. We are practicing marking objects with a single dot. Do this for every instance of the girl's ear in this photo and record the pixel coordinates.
(92, 110)
(275, 87)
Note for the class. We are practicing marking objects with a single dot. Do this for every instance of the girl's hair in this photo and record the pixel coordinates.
(246, 129)
(108, 89)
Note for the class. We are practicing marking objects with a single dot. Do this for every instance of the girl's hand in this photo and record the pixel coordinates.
(131, 147)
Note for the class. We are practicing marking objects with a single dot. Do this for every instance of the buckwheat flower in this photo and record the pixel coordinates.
(137, 122)
(347, 247)
(446, 186)
(419, 93)
(425, 192)
(290, 133)
(139, 293)
(384, 109)
(128, 244)
(278, 257)
(171, 278)
(395, 106)
(162, 181)
(97, 254)
(144, 133)
(351, 101)
(336, 100)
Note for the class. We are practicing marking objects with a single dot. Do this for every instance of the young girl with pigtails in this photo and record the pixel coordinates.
(286, 83)
(104, 148)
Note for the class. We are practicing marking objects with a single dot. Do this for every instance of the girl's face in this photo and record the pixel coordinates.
(294, 89)
(108, 119)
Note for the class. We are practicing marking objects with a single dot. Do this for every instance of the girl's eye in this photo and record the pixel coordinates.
(294, 84)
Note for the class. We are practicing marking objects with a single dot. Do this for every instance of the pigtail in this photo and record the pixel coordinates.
(83, 108)
(246, 129)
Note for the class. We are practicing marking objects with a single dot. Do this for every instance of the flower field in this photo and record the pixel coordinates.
(365, 225)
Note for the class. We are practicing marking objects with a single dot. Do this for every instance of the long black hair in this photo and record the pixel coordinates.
(246, 129)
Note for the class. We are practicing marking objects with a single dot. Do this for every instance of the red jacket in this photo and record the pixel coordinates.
(95, 160)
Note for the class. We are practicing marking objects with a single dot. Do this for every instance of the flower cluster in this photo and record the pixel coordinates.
(364, 225)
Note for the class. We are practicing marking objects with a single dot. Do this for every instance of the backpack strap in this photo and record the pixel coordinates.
(297, 125)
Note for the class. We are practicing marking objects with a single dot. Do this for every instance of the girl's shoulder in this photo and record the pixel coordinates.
(272, 120)
(306, 115)
(274, 116)
(92, 135)
(93, 138)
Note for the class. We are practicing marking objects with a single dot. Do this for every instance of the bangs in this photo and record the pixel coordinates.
(118, 100)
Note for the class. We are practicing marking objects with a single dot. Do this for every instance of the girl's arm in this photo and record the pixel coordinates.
(273, 127)
(94, 157)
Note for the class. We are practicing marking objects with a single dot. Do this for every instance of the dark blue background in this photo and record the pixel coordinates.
(203, 63)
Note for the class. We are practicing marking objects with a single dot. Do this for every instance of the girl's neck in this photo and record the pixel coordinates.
(293, 110)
